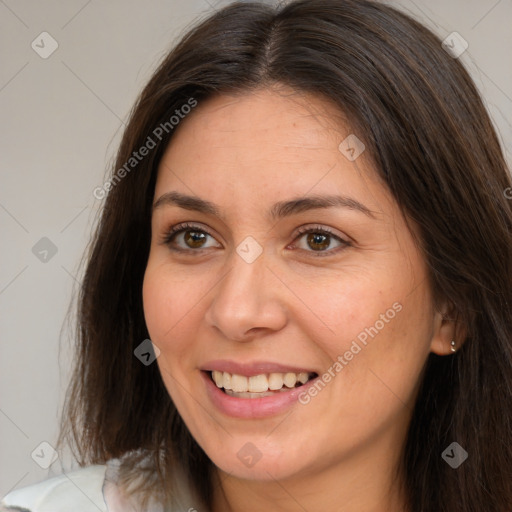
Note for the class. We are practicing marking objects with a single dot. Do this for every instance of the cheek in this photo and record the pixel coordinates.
(157, 305)
(346, 307)
(380, 323)
(164, 314)
(173, 303)
(168, 300)
(164, 306)
(390, 349)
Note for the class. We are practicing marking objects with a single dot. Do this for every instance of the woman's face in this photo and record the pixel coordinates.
(294, 264)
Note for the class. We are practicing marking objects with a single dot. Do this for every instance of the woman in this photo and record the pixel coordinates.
(308, 218)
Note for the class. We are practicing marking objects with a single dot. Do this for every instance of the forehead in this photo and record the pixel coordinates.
(262, 145)
(298, 119)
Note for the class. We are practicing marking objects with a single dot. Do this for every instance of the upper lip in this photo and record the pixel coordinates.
(253, 368)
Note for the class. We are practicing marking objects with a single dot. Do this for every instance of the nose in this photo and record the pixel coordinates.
(247, 302)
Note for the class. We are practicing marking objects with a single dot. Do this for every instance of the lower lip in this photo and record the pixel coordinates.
(252, 407)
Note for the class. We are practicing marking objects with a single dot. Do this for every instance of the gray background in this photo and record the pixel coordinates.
(62, 118)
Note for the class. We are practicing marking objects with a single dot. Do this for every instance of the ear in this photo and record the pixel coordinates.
(447, 328)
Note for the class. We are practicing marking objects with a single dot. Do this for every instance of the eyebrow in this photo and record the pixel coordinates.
(277, 211)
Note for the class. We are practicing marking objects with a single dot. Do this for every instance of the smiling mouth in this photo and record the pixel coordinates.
(259, 386)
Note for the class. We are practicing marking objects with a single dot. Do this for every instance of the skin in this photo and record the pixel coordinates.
(338, 452)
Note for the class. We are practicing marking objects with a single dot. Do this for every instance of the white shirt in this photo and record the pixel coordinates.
(88, 489)
(80, 490)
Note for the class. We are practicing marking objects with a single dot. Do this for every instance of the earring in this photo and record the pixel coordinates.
(453, 349)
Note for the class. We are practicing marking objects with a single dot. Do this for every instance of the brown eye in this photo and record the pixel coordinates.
(194, 239)
(184, 237)
(318, 241)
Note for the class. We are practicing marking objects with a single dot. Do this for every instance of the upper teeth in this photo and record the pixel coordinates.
(258, 383)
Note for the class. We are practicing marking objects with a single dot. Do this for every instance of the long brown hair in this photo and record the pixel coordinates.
(431, 140)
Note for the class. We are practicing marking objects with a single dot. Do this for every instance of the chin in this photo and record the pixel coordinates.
(256, 459)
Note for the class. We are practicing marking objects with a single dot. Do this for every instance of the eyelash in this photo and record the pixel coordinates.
(185, 226)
